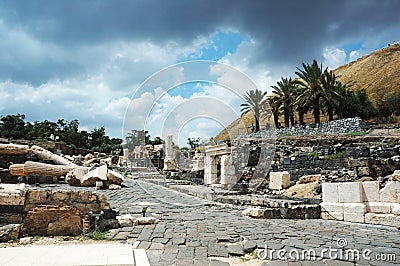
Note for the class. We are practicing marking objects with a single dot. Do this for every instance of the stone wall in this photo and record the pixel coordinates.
(362, 202)
(341, 162)
(52, 212)
(334, 127)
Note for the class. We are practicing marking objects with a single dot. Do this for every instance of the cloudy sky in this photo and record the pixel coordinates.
(89, 60)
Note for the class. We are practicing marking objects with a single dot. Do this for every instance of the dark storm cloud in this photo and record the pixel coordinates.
(287, 32)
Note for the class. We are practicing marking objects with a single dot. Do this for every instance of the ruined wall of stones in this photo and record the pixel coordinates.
(357, 160)
(334, 127)
(54, 212)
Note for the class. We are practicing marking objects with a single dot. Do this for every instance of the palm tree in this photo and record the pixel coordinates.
(331, 89)
(274, 109)
(310, 78)
(254, 101)
(283, 96)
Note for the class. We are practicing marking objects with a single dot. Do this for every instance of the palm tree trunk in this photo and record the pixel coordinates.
(292, 119)
(316, 110)
(276, 120)
(286, 116)
(330, 112)
(257, 116)
(301, 116)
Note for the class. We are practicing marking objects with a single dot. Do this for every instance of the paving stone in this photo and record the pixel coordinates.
(216, 250)
(235, 250)
(122, 236)
(144, 245)
(214, 262)
(205, 225)
(157, 246)
(179, 241)
(249, 246)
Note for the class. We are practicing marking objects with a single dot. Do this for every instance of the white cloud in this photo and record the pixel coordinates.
(333, 57)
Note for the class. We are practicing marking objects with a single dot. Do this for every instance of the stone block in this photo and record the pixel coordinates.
(370, 191)
(330, 192)
(390, 193)
(380, 207)
(279, 180)
(354, 217)
(331, 207)
(354, 208)
(60, 195)
(332, 215)
(350, 192)
(11, 199)
(384, 219)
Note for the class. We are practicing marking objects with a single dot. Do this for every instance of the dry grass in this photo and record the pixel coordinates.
(377, 72)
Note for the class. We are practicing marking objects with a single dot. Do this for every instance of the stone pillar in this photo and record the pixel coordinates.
(210, 170)
(228, 176)
(125, 160)
(169, 154)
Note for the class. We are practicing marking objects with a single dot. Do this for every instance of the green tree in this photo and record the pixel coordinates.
(13, 126)
(135, 138)
(193, 143)
(254, 101)
(356, 104)
(310, 79)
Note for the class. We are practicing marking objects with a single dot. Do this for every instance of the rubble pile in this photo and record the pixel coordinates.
(42, 166)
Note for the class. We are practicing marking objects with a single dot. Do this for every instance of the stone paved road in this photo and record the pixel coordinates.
(193, 231)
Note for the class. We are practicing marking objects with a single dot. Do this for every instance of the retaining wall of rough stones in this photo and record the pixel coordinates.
(335, 127)
(349, 161)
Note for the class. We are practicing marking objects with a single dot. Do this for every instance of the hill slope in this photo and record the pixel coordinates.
(378, 73)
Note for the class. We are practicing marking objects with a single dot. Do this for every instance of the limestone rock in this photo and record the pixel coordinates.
(9, 232)
(114, 178)
(254, 212)
(75, 176)
(147, 220)
(396, 210)
(88, 157)
(127, 220)
(309, 179)
(396, 176)
(85, 178)
(26, 240)
(114, 187)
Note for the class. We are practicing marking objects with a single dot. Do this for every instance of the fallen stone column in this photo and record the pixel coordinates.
(34, 168)
(13, 149)
(44, 154)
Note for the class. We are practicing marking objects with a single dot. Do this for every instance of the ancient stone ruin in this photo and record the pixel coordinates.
(29, 210)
